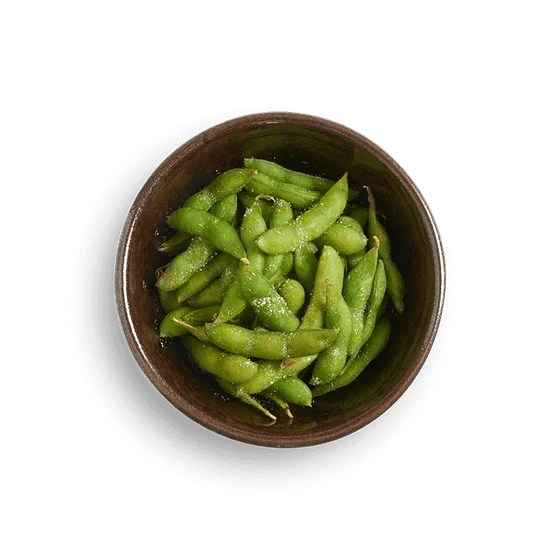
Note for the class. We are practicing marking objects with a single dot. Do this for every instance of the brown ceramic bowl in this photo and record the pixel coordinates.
(308, 144)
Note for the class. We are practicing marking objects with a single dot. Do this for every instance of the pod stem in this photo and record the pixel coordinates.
(160, 271)
(287, 362)
(370, 198)
(264, 197)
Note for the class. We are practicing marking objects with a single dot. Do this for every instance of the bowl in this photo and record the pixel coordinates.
(309, 144)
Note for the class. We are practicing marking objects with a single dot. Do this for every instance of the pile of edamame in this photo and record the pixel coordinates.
(278, 285)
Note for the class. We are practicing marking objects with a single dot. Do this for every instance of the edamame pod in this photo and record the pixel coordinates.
(357, 289)
(279, 173)
(228, 183)
(215, 292)
(331, 268)
(267, 344)
(293, 390)
(360, 214)
(373, 307)
(269, 306)
(169, 300)
(218, 232)
(309, 225)
(199, 280)
(395, 281)
(374, 345)
(270, 371)
(355, 258)
(170, 327)
(344, 239)
(183, 266)
(177, 243)
(294, 294)
(296, 196)
(225, 209)
(305, 264)
(202, 315)
(330, 362)
(282, 213)
(233, 368)
(247, 201)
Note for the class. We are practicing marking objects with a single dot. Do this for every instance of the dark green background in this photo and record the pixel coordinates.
(467, 93)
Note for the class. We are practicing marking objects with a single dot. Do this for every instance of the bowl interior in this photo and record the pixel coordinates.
(314, 146)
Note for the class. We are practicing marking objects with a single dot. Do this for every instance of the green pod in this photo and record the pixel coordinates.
(282, 213)
(252, 227)
(200, 279)
(202, 315)
(271, 370)
(247, 200)
(233, 368)
(183, 266)
(373, 307)
(287, 264)
(270, 345)
(279, 173)
(234, 302)
(177, 243)
(170, 327)
(225, 209)
(355, 258)
(235, 391)
(374, 345)
(383, 307)
(294, 294)
(330, 267)
(344, 239)
(218, 232)
(169, 300)
(357, 290)
(228, 183)
(292, 390)
(298, 197)
(350, 222)
(309, 225)
(269, 306)
(331, 360)
(215, 292)
(360, 215)
(395, 281)
(305, 264)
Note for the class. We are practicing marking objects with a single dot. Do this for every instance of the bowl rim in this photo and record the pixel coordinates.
(123, 308)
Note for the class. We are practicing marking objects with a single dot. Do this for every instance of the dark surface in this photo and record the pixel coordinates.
(146, 424)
